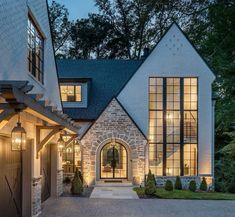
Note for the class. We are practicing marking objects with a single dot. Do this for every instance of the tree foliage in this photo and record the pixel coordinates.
(90, 37)
(60, 28)
(219, 49)
(140, 23)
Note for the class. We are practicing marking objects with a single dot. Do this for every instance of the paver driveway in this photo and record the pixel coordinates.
(84, 207)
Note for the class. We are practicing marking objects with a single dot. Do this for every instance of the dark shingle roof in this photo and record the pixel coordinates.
(107, 79)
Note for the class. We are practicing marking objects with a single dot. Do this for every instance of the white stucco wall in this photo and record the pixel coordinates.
(13, 46)
(174, 56)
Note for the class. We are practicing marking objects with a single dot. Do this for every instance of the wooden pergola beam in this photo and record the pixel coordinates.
(41, 143)
(15, 93)
(5, 116)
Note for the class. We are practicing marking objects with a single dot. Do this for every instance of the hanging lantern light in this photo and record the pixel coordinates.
(66, 137)
(60, 144)
(18, 137)
(69, 150)
(76, 149)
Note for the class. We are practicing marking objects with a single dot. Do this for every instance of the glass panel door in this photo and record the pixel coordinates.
(113, 161)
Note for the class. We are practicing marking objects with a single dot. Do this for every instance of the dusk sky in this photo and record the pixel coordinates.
(78, 8)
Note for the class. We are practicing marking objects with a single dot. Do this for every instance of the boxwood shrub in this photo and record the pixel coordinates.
(203, 185)
(169, 185)
(192, 186)
(178, 184)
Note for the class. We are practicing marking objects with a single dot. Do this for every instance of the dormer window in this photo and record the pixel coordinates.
(35, 51)
(71, 93)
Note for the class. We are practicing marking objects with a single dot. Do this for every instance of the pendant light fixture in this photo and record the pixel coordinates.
(18, 137)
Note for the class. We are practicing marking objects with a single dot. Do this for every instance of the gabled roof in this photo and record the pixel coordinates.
(107, 78)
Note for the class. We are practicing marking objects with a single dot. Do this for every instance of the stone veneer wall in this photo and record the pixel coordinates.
(36, 196)
(114, 123)
(59, 186)
(185, 180)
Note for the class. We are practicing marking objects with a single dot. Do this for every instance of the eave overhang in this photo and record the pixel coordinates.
(16, 96)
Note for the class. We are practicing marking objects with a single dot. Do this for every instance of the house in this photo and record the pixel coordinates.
(154, 114)
(32, 123)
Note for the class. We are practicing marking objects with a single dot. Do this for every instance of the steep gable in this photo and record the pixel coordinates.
(173, 56)
(114, 122)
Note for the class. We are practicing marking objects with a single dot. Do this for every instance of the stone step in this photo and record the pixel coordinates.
(113, 183)
(114, 193)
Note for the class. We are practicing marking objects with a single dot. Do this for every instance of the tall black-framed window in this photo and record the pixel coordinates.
(35, 51)
(173, 112)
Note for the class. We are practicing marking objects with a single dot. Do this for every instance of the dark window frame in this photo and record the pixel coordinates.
(181, 110)
(35, 60)
(75, 93)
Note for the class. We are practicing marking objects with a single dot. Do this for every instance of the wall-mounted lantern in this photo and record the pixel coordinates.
(60, 144)
(18, 137)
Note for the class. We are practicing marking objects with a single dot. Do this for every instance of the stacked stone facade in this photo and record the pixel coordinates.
(185, 180)
(36, 196)
(59, 187)
(114, 123)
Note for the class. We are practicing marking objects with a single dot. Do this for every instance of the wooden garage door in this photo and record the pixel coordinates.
(10, 180)
(46, 172)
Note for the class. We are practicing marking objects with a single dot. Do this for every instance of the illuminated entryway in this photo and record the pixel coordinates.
(113, 161)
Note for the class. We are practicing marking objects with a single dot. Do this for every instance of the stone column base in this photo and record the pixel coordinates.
(59, 189)
(36, 197)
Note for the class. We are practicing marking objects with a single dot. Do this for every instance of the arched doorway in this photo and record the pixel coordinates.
(113, 161)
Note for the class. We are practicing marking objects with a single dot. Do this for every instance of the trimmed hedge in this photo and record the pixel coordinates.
(150, 185)
(178, 184)
(151, 177)
(203, 185)
(169, 185)
(80, 176)
(77, 186)
(192, 186)
(150, 188)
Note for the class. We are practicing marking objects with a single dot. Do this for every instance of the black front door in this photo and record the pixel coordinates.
(113, 161)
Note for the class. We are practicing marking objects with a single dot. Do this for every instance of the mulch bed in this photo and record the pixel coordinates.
(86, 192)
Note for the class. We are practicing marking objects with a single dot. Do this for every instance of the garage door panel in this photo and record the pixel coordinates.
(10, 179)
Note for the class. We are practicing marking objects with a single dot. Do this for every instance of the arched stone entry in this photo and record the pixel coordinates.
(113, 160)
(113, 124)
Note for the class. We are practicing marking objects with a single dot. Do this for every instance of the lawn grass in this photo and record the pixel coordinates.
(185, 194)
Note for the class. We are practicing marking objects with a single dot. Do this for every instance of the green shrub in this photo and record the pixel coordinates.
(77, 186)
(231, 187)
(80, 175)
(67, 180)
(192, 186)
(150, 188)
(203, 185)
(169, 185)
(151, 177)
(178, 184)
